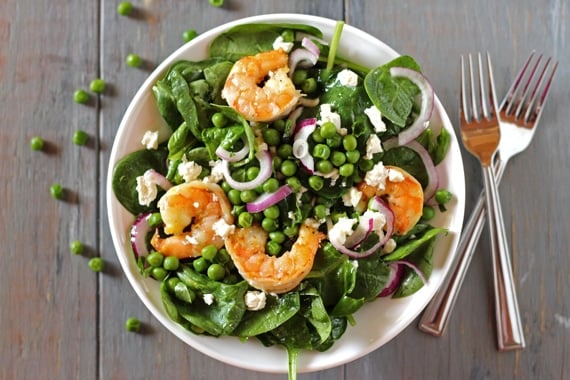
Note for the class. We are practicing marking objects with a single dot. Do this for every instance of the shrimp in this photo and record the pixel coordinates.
(273, 274)
(189, 212)
(259, 88)
(405, 198)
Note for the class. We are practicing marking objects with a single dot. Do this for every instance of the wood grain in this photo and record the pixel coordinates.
(59, 320)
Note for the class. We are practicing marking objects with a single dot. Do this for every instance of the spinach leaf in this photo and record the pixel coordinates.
(410, 247)
(126, 171)
(215, 76)
(184, 103)
(371, 277)
(394, 97)
(423, 259)
(338, 328)
(219, 318)
(436, 146)
(408, 160)
(327, 274)
(277, 311)
(226, 137)
(180, 141)
(250, 39)
(316, 313)
(166, 104)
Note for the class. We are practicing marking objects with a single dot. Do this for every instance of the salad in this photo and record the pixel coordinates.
(295, 187)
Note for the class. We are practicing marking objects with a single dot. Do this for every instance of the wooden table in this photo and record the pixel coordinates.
(59, 320)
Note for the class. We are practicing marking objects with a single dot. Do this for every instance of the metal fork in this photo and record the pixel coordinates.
(520, 112)
(480, 134)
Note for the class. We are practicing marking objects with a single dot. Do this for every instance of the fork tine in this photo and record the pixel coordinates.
(463, 100)
(492, 92)
(513, 90)
(482, 101)
(474, 111)
(523, 99)
(534, 110)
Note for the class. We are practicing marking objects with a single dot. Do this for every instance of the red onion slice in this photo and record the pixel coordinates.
(232, 156)
(433, 177)
(264, 158)
(414, 267)
(427, 97)
(158, 179)
(379, 204)
(394, 279)
(269, 199)
(302, 58)
(363, 230)
(139, 230)
(301, 144)
(311, 46)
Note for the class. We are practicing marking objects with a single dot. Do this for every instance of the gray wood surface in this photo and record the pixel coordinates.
(59, 320)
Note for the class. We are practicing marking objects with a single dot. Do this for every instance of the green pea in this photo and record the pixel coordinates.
(134, 60)
(328, 130)
(316, 136)
(294, 183)
(158, 273)
(279, 125)
(288, 35)
(171, 263)
(189, 35)
(291, 231)
(271, 185)
(252, 173)
(366, 165)
(172, 282)
(277, 236)
(132, 324)
(428, 213)
(321, 151)
(219, 120)
(276, 163)
(209, 252)
(349, 142)
(155, 259)
(271, 212)
(442, 196)
(238, 209)
(234, 196)
(57, 191)
(216, 3)
(96, 264)
(245, 219)
(155, 219)
(97, 85)
(324, 166)
(216, 272)
(269, 224)
(125, 8)
(80, 137)
(76, 247)
(334, 142)
(225, 186)
(320, 211)
(81, 96)
(285, 151)
(299, 76)
(247, 196)
(36, 143)
(346, 170)
(338, 158)
(272, 137)
(316, 183)
(200, 264)
(335, 216)
(288, 168)
(273, 248)
(352, 156)
(309, 85)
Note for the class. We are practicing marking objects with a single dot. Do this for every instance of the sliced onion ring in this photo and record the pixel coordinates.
(414, 267)
(426, 109)
(269, 199)
(158, 179)
(311, 46)
(139, 230)
(378, 204)
(301, 145)
(232, 156)
(264, 158)
(302, 58)
(394, 279)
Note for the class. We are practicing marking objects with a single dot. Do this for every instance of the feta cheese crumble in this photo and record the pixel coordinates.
(347, 78)
(254, 300)
(208, 298)
(395, 175)
(223, 229)
(341, 230)
(377, 176)
(189, 170)
(352, 197)
(279, 43)
(390, 246)
(373, 146)
(375, 118)
(150, 139)
(147, 188)
(217, 172)
(327, 115)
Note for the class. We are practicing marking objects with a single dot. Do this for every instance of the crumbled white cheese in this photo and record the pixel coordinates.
(208, 298)
(390, 246)
(378, 221)
(341, 230)
(352, 197)
(254, 300)
(217, 172)
(279, 43)
(150, 139)
(326, 115)
(190, 239)
(223, 229)
(313, 223)
(375, 118)
(291, 215)
(347, 78)
(189, 170)
(395, 175)
(373, 146)
(147, 189)
(354, 263)
(376, 177)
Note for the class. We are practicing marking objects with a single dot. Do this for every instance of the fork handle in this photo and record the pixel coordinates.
(509, 327)
(435, 318)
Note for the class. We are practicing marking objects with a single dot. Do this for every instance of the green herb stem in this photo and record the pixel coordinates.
(333, 47)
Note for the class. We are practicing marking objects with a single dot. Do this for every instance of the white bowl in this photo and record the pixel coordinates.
(377, 322)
